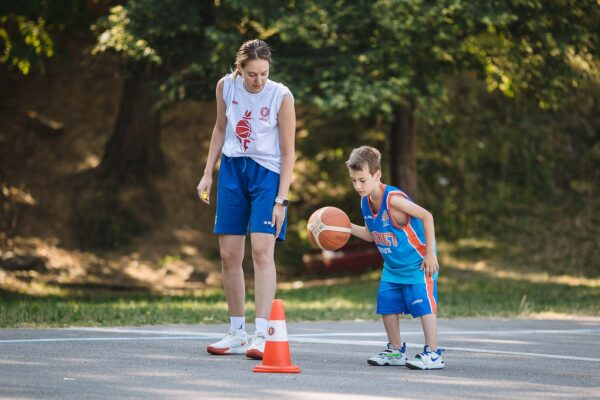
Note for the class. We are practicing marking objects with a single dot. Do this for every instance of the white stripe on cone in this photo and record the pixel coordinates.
(277, 331)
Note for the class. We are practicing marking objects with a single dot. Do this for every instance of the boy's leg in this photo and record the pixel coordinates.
(395, 352)
(422, 301)
(390, 303)
(429, 323)
(423, 304)
(431, 356)
(391, 322)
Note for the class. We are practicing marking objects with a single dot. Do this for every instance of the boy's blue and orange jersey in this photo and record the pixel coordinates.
(402, 247)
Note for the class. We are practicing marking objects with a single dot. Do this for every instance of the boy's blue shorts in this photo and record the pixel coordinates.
(416, 299)
(246, 193)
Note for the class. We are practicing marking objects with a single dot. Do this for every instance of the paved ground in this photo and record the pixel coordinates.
(485, 359)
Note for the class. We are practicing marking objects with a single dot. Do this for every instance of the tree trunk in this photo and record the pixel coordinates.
(134, 149)
(403, 150)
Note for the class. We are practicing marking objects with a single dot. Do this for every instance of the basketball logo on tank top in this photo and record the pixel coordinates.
(385, 219)
(243, 130)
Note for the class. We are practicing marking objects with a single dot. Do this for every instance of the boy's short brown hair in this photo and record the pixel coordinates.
(364, 155)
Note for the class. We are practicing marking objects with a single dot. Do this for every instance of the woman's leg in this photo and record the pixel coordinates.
(265, 277)
(232, 254)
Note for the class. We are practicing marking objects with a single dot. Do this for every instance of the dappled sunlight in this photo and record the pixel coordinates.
(21, 362)
(492, 341)
(312, 394)
(496, 270)
(59, 270)
(489, 388)
(90, 161)
(189, 250)
(553, 315)
(32, 288)
(149, 374)
(174, 304)
(533, 277)
(311, 283)
(18, 195)
(478, 243)
(327, 305)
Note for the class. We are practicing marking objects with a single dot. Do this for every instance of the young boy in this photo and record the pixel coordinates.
(405, 236)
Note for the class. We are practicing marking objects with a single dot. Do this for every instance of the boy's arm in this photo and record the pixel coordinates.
(400, 203)
(361, 232)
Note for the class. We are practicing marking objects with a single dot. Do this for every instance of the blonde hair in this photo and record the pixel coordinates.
(251, 50)
(364, 155)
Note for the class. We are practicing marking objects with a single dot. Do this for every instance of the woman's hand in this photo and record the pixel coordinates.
(204, 188)
(278, 218)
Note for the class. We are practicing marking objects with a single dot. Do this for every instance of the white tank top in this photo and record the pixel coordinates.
(252, 128)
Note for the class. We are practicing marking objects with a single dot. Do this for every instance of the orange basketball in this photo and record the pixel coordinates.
(328, 228)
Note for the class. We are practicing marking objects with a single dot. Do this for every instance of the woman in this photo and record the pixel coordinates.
(255, 130)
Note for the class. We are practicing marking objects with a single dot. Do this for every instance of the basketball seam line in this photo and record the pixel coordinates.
(327, 228)
(318, 219)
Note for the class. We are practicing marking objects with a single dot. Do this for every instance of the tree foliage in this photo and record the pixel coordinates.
(28, 29)
(189, 43)
(392, 59)
(364, 57)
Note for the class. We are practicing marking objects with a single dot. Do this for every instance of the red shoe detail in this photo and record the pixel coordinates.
(255, 354)
(218, 351)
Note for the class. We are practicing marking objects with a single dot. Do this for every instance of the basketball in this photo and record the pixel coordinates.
(328, 228)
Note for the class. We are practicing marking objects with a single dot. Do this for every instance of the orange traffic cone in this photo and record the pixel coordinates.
(276, 357)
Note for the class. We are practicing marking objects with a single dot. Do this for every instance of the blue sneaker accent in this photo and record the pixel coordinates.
(427, 359)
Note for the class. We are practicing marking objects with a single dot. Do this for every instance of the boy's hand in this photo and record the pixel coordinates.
(430, 264)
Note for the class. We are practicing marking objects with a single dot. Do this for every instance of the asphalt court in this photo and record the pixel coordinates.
(485, 358)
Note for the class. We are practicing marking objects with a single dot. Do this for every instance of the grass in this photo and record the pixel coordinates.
(463, 292)
(479, 278)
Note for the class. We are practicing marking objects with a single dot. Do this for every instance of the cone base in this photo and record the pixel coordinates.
(290, 369)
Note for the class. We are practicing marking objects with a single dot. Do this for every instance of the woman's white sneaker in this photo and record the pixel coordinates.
(256, 348)
(427, 359)
(389, 356)
(235, 342)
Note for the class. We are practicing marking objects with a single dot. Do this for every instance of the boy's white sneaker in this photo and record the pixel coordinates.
(427, 359)
(256, 348)
(235, 342)
(389, 356)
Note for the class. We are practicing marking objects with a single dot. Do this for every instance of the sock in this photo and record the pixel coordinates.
(237, 323)
(261, 325)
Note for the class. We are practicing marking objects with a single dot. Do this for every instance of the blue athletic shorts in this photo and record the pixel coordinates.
(246, 194)
(415, 299)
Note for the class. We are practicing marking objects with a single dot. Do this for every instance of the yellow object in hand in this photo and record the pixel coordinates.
(204, 195)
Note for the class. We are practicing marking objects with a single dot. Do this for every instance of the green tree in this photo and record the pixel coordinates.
(391, 59)
(29, 29)
(172, 50)
(382, 61)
